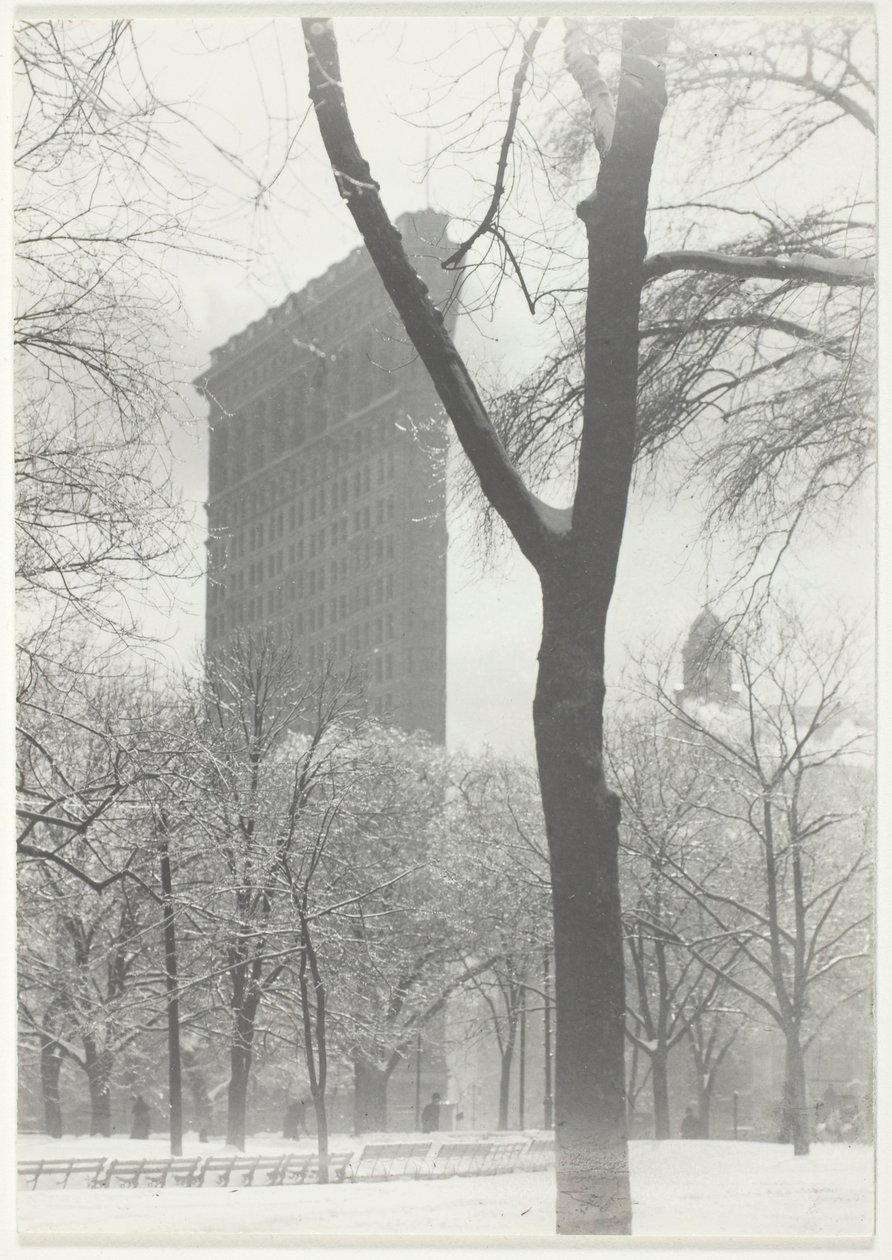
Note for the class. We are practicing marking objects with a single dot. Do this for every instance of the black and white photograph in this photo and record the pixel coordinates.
(445, 628)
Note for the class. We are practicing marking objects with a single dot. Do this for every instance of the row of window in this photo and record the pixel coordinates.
(340, 569)
(230, 460)
(222, 550)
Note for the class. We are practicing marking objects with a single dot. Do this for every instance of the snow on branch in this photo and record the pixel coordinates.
(499, 479)
(583, 66)
(808, 268)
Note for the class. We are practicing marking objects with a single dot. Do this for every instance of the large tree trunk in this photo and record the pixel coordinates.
(370, 1096)
(321, 1114)
(237, 1094)
(795, 1118)
(704, 1106)
(98, 1064)
(507, 1058)
(581, 816)
(171, 983)
(660, 1086)
(50, 1072)
(582, 820)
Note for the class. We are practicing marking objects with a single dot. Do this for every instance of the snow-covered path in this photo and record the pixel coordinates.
(680, 1189)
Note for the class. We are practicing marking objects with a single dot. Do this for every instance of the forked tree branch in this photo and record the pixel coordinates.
(583, 66)
(488, 221)
(499, 479)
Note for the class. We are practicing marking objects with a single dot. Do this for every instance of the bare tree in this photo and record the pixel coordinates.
(264, 734)
(575, 552)
(672, 994)
(783, 881)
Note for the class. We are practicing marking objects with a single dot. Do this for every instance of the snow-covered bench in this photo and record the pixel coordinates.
(84, 1171)
(392, 1159)
(540, 1154)
(460, 1159)
(300, 1169)
(470, 1159)
(220, 1169)
(155, 1172)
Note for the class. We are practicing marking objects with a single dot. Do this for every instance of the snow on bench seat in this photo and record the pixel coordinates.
(540, 1154)
(298, 1170)
(221, 1169)
(155, 1172)
(392, 1159)
(84, 1171)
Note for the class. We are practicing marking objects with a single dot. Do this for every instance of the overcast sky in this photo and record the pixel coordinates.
(244, 84)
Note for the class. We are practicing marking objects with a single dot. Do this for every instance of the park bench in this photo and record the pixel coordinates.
(504, 1157)
(460, 1159)
(221, 1169)
(155, 1172)
(392, 1159)
(84, 1171)
(540, 1154)
(298, 1170)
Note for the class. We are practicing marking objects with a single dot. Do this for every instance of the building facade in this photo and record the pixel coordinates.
(327, 496)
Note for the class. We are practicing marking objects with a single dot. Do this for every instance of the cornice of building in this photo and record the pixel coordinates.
(418, 228)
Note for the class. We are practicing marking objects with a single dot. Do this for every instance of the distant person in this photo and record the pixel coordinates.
(141, 1122)
(430, 1117)
(690, 1125)
(294, 1121)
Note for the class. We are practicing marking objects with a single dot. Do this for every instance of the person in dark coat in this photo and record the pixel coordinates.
(430, 1117)
(690, 1125)
(140, 1124)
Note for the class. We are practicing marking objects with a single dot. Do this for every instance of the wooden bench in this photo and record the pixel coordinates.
(156, 1172)
(83, 1170)
(221, 1169)
(298, 1170)
(540, 1154)
(392, 1159)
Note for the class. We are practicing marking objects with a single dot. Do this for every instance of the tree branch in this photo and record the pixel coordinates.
(806, 268)
(499, 480)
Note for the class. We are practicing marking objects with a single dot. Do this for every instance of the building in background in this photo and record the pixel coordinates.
(327, 497)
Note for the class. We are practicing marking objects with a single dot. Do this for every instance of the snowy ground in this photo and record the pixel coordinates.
(680, 1190)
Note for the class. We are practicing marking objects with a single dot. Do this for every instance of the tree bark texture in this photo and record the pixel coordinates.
(171, 983)
(582, 819)
(50, 1073)
(98, 1065)
(370, 1097)
(795, 1101)
(660, 1086)
(507, 1058)
(240, 1055)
